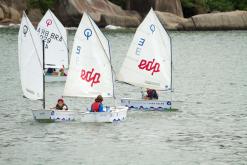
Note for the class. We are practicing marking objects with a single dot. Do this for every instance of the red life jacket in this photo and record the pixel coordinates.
(150, 93)
(95, 107)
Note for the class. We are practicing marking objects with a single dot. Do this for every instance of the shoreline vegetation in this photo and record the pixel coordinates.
(174, 14)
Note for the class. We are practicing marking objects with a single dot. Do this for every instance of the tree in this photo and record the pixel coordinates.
(44, 5)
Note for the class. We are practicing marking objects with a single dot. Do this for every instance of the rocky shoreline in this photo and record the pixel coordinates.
(106, 13)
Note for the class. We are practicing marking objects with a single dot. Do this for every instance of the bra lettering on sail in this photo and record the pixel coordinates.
(149, 66)
(48, 22)
(88, 33)
(90, 76)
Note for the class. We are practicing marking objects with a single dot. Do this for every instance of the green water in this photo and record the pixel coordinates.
(210, 81)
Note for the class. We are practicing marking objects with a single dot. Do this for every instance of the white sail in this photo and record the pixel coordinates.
(148, 61)
(53, 32)
(30, 60)
(90, 71)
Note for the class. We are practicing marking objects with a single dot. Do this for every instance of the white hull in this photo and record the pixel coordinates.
(49, 78)
(52, 115)
(115, 114)
(146, 104)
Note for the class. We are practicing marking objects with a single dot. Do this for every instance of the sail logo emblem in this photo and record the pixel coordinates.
(90, 76)
(48, 22)
(152, 66)
(25, 30)
(88, 33)
(152, 28)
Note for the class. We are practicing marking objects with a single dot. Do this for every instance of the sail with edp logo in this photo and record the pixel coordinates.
(90, 72)
(148, 63)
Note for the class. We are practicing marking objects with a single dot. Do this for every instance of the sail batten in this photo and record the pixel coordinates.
(148, 61)
(30, 60)
(54, 34)
(90, 71)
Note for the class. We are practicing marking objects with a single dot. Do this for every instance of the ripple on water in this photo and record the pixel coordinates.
(209, 127)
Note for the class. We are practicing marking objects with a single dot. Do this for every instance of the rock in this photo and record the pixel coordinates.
(118, 21)
(218, 21)
(102, 12)
(5, 9)
(8, 12)
(188, 24)
(214, 21)
(143, 6)
(171, 21)
(172, 6)
(1, 14)
(19, 5)
(14, 15)
(35, 16)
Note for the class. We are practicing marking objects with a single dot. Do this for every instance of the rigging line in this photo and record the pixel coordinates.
(34, 45)
(109, 60)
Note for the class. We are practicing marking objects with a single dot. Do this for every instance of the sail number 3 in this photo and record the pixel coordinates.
(149, 66)
(90, 76)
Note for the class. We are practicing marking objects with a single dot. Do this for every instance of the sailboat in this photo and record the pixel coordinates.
(31, 66)
(54, 34)
(148, 63)
(90, 72)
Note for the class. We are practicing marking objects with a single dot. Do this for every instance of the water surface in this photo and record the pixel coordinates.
(210, 81)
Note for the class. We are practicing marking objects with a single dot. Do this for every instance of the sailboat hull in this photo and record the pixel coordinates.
(53, 115)
(146, 104)
(52, 78)
(115, 114)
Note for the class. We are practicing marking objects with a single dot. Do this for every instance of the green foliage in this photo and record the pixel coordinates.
(220, 5)
(192, 7)
(121, 3)
(42, 4)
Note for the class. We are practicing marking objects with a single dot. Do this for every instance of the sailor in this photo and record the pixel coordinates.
(97, 106)
(50, 71)
(151, 94)
(62, 73)
(61, 105)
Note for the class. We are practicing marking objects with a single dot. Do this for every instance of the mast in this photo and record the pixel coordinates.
(43, 51)
(171, 69)
(112, 74)
(171, 61)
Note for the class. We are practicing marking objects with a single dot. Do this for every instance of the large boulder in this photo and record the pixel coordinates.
(213, 21)
(10, 10)
(143, 6)
(171, 21)
(35, 16)
(217, 21)
(1, 14)
(14, 15)
(103, 13)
